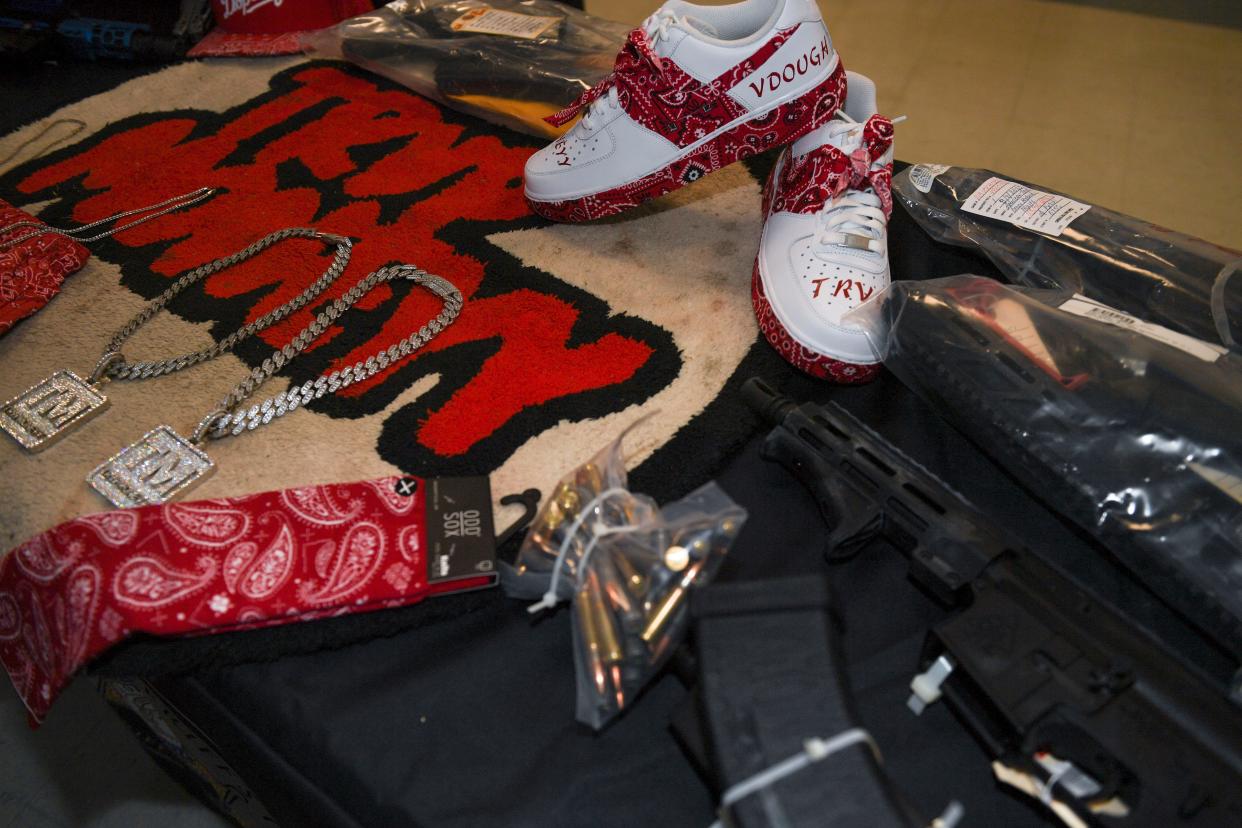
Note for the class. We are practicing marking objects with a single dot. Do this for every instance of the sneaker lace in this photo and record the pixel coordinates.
(604, 98)
(600, 108)
(657, 26)
(854, 219)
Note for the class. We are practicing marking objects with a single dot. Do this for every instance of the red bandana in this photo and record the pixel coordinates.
(31, 272)
(194, 568)
(661, 96)
(826, 172)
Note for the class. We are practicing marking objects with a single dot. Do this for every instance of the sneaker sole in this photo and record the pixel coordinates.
(791, 120)
(794, 352)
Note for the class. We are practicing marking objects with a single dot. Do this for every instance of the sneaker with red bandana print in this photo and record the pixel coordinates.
(824, 248)
(694, 89)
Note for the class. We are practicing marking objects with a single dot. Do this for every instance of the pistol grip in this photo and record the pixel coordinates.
(851, 518)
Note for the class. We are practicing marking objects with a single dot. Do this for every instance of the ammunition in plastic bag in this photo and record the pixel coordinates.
(590, 636)
(663, 610)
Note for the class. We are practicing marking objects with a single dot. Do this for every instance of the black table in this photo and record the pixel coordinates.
(468, 721)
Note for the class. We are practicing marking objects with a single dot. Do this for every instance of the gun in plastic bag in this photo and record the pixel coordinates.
(1133, 436)
(1076, 704)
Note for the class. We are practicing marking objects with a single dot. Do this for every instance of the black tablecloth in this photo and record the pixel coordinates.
(470, 721)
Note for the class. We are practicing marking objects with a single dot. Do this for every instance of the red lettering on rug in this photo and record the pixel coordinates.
(339, 153)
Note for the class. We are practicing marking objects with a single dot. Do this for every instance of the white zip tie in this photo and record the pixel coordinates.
(1045, 792)
(550, 599)
(813, 750)
(952, 815)
(599, 530)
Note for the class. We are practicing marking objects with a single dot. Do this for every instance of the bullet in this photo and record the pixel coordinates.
(568, 498)
(552, 517)
(618, 686)
(677, 557)
(599, 591)
(697, 543)
(548, 542)
(635, 581)
(590, 478)
(603, 622)
(590, 638)
(659, 648)
(663, 611)
(615, 586)
(550, 531)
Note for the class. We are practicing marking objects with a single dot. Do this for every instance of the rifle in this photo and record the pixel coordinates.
(1133, 440)
(1076, 704)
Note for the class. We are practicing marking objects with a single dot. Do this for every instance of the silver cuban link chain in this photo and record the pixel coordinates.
(162, 464)
(55, 406)
(226, 421)
(113, 364)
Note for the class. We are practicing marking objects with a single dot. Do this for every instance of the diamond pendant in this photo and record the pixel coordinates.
(47, 411)
(155, 469)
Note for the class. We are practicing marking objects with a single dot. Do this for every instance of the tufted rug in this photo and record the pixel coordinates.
(568, 334)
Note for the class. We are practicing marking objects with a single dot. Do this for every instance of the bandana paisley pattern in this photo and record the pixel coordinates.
(32, 271)
(658, 94)
(72, 592)
(797, 354)
(634, 67)
(258, 576)
(804, 185)
(211, 524)
(43, 559)
(667, 100)
(782, 125)
(808, 182)
(113, 528)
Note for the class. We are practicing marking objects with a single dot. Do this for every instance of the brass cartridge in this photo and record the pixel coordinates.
(662, 611)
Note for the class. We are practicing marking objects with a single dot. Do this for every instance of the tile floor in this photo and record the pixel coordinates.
(1134, 112)
(1130, 111)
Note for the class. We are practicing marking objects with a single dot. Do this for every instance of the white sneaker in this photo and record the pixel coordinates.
(694, 89)
(824, 248)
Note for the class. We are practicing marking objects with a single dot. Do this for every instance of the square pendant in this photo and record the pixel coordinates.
(49, 410)
(155, 469)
